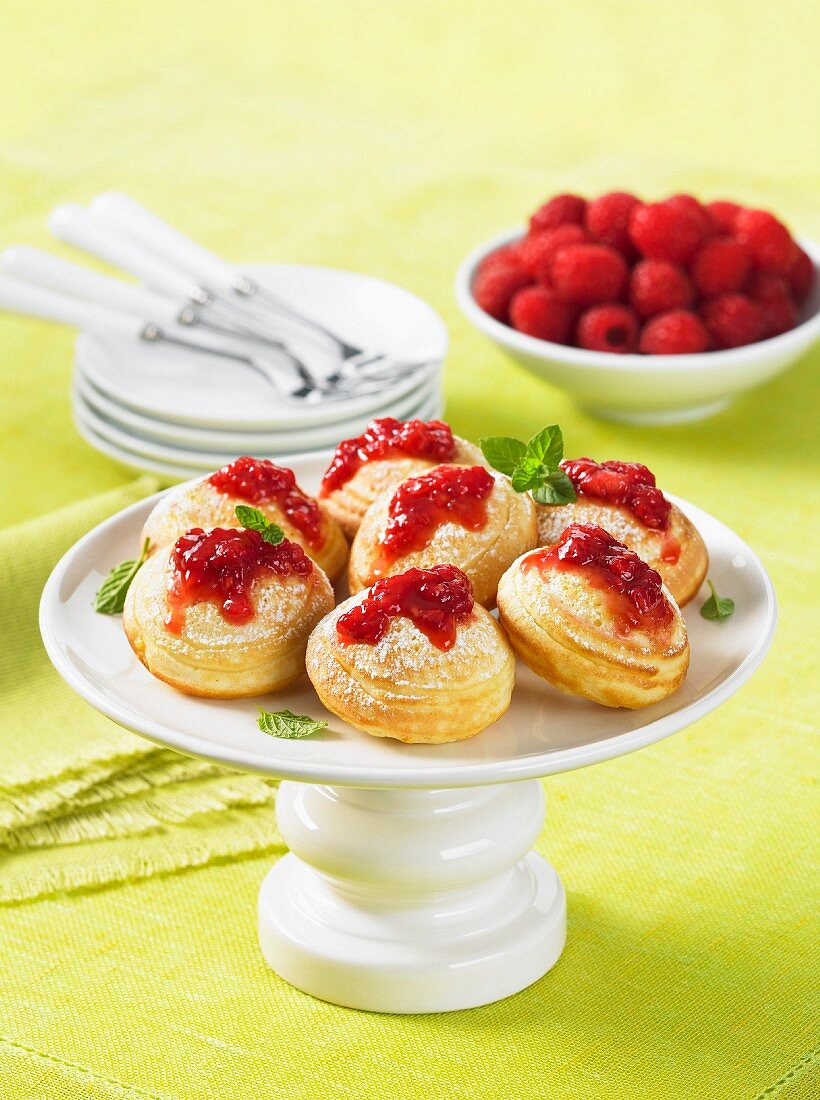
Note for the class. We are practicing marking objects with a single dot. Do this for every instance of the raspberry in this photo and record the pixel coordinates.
(537, 311)
(558, 211)
(494, 289)
(539, 248)
(721, 264)
(608, 328)
(768, 240)
(607, 218)
(778, 314)
(772, 295)
(724, 214)
(762, 286)
(509, 255)
(678, 332)
(665, 232)
(658, 286)
(801, 276)
(586, 274)
(689, 204)
(732, 320)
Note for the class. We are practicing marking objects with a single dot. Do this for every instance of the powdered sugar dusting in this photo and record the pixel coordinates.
(483, 555)
(565, 602)
(284, 609)
(407, 659)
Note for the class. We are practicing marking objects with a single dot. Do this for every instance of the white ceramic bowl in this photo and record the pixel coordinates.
(644, 389)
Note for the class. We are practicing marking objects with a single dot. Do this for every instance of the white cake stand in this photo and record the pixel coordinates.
(410, 885)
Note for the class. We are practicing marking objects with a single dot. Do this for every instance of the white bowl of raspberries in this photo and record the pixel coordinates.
(651, 313)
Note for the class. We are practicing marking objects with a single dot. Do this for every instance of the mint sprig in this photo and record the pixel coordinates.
(110, 596)
(717, 608)
(533, 466)
(254, 520)
(284, 723)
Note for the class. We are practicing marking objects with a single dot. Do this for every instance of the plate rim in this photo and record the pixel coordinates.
(83, 386)
(85, 414)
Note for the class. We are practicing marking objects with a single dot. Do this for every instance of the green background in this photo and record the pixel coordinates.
(391, 138)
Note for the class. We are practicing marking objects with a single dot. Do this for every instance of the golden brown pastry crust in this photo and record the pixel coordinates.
(348, 504)
(683, 578)
(510, 530)
(563, 628)
(405, 687)
(202, 505)
(218, 659)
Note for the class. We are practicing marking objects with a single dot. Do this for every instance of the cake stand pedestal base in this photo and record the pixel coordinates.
(411, 900)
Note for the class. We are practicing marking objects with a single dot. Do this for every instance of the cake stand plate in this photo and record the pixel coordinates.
(410, 885)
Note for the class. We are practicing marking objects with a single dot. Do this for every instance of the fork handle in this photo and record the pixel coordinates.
(36, 301)
(75, 225)
(46, 270)
(126, 216)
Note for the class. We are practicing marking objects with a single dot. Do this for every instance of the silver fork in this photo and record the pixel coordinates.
(293, 383)
(157, 314)
(124, 215)
(308, 390)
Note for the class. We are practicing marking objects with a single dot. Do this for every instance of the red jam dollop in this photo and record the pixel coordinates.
(386, 438)
(448, 494)
(259, 481)
(627, 483)
(589, 549)
(220, 567)
(436, 600)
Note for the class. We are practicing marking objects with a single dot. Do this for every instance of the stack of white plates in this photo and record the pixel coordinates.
(179, 413)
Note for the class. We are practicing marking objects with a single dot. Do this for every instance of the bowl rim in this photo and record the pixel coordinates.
(794, 339)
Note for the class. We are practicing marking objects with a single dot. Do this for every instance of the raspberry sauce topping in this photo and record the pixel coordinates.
(386, 438)
(627, 483)
(220, 567)
(637, 587)
(448, 494)
(436, 600)
(259, 481)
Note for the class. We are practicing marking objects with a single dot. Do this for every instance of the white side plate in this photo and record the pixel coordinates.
(211, 391)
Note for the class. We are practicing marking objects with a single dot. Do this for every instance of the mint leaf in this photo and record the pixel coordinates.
(528, 474)
(284, 723)
(540, 471)
(502, 452)
(547, 446)
(534, 466)
(556, 489)
(110, 596)
(254, 520)
(717, 608)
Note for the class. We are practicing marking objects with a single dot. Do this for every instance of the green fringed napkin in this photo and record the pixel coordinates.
(82, 802)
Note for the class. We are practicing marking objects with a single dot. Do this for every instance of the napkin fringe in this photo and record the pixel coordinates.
(161, 769)
(142, 814)
(231, 834)
(34, 802)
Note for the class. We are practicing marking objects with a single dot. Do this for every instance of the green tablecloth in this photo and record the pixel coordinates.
(390, 138)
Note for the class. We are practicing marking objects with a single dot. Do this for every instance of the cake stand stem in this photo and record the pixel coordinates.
(411, 900)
